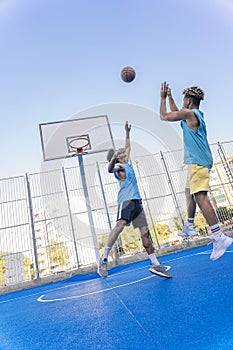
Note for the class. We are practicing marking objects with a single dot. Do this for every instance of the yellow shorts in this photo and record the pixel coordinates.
(198, 178)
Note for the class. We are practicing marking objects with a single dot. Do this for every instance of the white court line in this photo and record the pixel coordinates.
(79, 283)
(95, 292)
(188, 256)
(95, 280)
(209, 251)
(88, 281)
(40, 299)
(47, 290)
(195, 254)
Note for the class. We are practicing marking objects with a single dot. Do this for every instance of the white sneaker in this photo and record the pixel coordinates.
(220, 245)
(103, 267)
(187, 231)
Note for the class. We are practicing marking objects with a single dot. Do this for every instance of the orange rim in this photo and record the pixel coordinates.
(79, 150)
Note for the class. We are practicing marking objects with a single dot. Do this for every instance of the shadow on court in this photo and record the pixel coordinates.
(131, 309)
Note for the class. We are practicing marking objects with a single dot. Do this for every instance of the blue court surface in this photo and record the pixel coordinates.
(131, 309)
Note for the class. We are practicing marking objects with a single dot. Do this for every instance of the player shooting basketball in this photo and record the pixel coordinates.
(129, 208)
(198, 157)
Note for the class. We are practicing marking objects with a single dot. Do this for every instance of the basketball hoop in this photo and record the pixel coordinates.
(79, 144)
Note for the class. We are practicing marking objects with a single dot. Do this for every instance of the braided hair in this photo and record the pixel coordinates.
(194, 91)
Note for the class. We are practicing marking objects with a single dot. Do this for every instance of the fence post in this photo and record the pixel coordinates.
(106, 208)
(170, 183)
(145, 196)
(225, 163)
(32, 225)
(89, 210)
(70, 215)
(228, 172)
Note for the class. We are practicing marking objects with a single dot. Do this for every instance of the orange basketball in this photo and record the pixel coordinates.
(128, 74)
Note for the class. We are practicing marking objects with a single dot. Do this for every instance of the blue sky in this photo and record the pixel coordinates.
(59, 57)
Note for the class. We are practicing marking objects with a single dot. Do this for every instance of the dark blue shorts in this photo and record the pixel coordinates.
(132, 211)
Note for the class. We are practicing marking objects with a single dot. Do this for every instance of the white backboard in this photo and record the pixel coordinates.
(55, 136)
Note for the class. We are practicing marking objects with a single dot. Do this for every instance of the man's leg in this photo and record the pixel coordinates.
(191, 203)
(220, 241)
(204, 204)
(114, 234)
(112, 238)
(155, 267)
(188, 229)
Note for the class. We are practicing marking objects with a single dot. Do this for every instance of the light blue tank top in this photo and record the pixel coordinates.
(128, 187)
(196, 146)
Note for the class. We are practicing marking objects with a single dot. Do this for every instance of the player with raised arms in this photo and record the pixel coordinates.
(198, 157)
(130, 208)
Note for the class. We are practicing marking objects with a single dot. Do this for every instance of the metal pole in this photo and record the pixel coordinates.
(32, 226)
(70, 216)
(145, 196)
(226, 166)
(89, 211)
(106, 208)
(174, 197)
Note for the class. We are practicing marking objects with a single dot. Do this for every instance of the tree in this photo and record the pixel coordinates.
(201, 225)
(128, 241)
(2, 270)
(29, 272)
(163, 231)
(58, 254)
(178, 223)
(131, 240)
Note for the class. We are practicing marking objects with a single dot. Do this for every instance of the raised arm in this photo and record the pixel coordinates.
(163, 100)
(175, 114)
(172, 104)
(120, 156)
(127, 140)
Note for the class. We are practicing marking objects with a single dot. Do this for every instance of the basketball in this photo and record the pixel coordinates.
(128, 74)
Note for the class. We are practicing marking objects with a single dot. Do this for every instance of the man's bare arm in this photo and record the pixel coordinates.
(183, 114)
(175, 114)
(127, 140)
(172, 104)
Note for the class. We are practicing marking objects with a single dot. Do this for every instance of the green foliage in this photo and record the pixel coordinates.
(201, 225)
(58, 254)
(102, 240)
(163, 232)
(131, 240)
(178, 223)
(2, 271)
(29, 272)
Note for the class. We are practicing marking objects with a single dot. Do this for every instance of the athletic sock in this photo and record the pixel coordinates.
(153, 259)
(191, 222)
(106, 252)
(216, 230)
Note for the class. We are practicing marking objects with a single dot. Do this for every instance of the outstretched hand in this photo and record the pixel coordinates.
(165, 90)
(127, 127)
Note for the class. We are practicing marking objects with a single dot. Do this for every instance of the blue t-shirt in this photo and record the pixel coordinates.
(196, 146)
(128, 187)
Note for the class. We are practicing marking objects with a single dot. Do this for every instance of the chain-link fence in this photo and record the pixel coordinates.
(49, 223)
